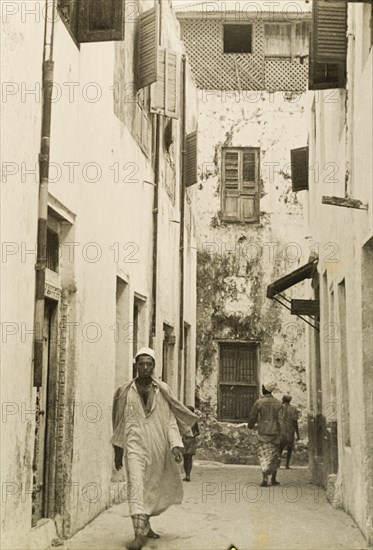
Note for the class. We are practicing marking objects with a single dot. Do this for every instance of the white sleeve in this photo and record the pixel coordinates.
(173, 434)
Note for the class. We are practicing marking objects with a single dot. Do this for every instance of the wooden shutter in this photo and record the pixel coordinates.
(191, 160)
(100, 20)
(330, 31)
(157, 89)
(172, 84)
(148, 42)
(164, 93)
(249, 169)
(250, 208)
(323, 76)
(231, 169)
(299, 168)
(250, 185)
(231, 178)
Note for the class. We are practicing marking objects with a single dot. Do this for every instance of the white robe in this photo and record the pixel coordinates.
(153, 476)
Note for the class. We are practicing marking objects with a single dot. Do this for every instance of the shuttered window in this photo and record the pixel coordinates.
(164, 93)
(148, 50)
(240, 184)
(93, 20)
(299, 168)
(191, 160)
(238, 380)
(328, 45)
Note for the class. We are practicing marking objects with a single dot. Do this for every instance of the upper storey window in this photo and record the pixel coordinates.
(237, 38)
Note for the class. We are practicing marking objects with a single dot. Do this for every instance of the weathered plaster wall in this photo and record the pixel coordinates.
(237, 261)
(18, 229)
(342, 135)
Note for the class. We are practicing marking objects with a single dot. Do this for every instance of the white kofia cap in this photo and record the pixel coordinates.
(146, 351)
(270, 385)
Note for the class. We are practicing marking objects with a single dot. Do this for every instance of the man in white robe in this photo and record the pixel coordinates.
(148, 423)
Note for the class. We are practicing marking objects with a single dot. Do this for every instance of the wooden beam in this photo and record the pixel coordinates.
(344, 201)
(305, 307)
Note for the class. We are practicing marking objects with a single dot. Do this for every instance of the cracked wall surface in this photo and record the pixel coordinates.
(237, 261)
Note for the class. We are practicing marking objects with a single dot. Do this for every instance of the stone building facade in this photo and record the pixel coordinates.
(251, 70)
(338, 201)
(121, 252)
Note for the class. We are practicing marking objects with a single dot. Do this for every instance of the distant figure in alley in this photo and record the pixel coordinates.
(288, 428)
(265, 413)
(190, 447)
(148, 423)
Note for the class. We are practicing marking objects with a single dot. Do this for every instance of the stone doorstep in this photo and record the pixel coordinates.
(42, 535)
(333, 491)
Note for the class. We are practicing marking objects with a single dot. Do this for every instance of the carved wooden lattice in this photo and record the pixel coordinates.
(214, 70)
(282, 75)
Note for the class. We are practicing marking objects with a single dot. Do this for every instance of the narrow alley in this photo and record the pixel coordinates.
(187, 274)
(224, 505)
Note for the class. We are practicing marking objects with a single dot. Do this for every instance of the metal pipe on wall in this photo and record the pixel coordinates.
(153, 331)
(182, 205)
(44, 162)
(155, 233)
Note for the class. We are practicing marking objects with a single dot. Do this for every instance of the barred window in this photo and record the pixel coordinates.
(238, 380)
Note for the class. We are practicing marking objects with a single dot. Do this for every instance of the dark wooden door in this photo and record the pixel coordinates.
(45, 441)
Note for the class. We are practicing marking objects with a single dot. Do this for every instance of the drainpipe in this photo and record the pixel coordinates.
(153, 331)
(155, 231)
(182, 208)
(44, 156)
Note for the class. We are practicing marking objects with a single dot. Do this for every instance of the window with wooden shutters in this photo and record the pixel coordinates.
(148, 50)
(238, 380)
(93, 20)
(164, 93)
(240, 184)
(191, 159)
(328, 45)
(299, 168)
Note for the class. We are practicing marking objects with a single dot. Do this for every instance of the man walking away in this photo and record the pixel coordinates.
(265, 413)
(148, 422)
(190, 447)
(288, 426)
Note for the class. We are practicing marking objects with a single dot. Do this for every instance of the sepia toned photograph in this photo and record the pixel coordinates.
(186, 274)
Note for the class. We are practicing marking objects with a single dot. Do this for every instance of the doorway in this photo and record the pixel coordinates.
(44, 465)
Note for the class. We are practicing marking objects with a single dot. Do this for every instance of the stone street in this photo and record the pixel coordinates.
(223, 506)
